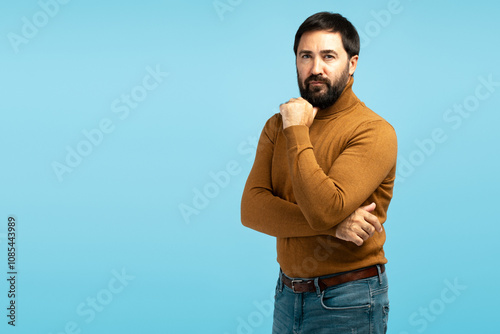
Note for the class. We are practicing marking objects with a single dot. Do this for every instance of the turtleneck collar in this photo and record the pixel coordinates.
(345, 101)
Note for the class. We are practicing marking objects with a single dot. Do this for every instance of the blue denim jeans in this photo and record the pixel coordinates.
(357, 307)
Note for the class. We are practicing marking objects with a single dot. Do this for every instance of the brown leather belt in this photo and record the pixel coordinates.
(299, 285)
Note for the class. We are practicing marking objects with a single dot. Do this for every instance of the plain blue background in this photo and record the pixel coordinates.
(230, 64)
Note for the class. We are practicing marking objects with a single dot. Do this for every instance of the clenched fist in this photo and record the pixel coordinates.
(297, 112)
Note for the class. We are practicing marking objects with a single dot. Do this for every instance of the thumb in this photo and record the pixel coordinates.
(369, 207)
(315, 111)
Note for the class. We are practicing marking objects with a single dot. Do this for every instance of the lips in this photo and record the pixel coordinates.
(316, 81)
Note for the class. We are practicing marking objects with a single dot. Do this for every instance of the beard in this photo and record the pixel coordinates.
(314, 94)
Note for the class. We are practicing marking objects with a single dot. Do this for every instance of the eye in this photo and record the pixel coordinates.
(329, 57)
(306, 56)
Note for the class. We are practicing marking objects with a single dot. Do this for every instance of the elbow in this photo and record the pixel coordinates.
(245, 221)
(245, 211)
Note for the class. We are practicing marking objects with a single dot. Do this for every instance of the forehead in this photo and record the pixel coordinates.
(316, 41)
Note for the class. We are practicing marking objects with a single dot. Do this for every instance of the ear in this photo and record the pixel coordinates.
(353, 62)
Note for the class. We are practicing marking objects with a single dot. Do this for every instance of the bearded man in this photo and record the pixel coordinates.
(321, 184)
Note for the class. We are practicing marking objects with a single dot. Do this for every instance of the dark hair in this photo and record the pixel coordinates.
(333, 23)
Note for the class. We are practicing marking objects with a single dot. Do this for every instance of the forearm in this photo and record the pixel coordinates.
(269, 214)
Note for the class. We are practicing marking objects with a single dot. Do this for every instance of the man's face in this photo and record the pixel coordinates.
(323, 67)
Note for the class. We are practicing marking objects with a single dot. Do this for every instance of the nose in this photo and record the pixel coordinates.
(317, 67)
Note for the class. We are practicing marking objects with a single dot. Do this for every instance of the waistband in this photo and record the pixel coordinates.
(308, 285)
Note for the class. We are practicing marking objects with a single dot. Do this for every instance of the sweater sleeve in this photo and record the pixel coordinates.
(261, 210)
(326, 199)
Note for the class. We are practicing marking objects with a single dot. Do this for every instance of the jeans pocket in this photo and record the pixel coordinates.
(349, 296)
(347, 307)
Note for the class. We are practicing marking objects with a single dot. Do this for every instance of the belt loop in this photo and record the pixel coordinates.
(316, 285)
(280, 289)
(379, 275)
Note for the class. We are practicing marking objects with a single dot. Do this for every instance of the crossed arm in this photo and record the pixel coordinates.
(340, 216)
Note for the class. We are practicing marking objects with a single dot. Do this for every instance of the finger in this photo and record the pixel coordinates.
(349, 236)
(287, 102)
(358, 241)
(354, 238)
(370, 207)
(378, 226)
(369, 229)
(315, 111)
(362, 234)
(372, 219)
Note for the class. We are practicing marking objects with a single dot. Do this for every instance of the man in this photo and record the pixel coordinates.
(321, 184)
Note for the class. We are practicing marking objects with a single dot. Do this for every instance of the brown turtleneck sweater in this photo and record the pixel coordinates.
(305, 181)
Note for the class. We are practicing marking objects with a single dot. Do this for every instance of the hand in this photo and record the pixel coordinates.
(359, 226)
(297, 112)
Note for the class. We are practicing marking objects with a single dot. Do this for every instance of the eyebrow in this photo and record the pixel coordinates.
(323, 52)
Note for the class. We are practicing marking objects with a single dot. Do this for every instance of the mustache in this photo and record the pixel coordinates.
(318, 78)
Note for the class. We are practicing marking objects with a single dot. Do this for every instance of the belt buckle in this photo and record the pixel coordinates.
(295, 281)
